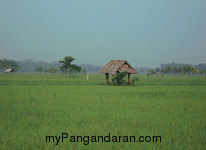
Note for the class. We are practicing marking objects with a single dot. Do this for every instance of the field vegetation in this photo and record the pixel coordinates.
(35, 105)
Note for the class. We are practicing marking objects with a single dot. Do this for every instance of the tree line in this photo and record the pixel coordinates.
(31, 65)
(66, 66)
(173, 68)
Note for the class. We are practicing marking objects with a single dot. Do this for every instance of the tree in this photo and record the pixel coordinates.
(194, 70)
(180, 70)
(168, 69)
(52, 70)
(45, 70)
(84, 71)
(175, 70)
(187, 69)
(163, 71)
(67, 67)
(39, 69)
(8, 64)
(157, 70)
(202, 72)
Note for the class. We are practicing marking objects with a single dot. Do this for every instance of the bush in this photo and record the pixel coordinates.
(135, 80)
(118, 78)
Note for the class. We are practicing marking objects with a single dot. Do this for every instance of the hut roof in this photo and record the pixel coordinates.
(117, 66)
(10, 70)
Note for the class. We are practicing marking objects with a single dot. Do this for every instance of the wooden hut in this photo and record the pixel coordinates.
(115, 66)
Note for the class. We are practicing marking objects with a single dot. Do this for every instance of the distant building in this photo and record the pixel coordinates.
(115, 66)
(9, 70)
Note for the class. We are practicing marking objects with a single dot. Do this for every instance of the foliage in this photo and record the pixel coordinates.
(202, 72)
(31, 65)
(157, 70)
(8, 64)
(84, 71)
(52, 70)
(182, 68)
(39, 69)
(67, 67)
(135, 80)
(118, 78)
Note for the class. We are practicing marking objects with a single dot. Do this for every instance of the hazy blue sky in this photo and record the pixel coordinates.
(144, 32)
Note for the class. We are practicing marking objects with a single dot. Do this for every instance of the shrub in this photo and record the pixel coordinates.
(135, 80)
(118, 78)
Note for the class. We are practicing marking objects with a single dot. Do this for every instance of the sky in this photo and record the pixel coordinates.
(147, 33)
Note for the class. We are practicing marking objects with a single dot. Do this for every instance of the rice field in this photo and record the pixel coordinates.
(33, 106)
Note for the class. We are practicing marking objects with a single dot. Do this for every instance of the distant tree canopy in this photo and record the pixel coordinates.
(43, 70)
(39, 69)
(67, 67)
(179, 69)
(52, 70)
(173, 68)
(8, 64)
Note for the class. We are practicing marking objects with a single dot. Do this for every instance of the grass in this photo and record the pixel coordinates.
(33, 106)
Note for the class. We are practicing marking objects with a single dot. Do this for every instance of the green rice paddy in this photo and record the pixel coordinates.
(33, 106)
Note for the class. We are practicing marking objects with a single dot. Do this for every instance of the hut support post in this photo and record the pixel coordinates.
(128, 79)
(107, 78)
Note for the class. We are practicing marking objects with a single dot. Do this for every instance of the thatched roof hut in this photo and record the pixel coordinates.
(118, 66)
(9, 70)
(115, 66)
